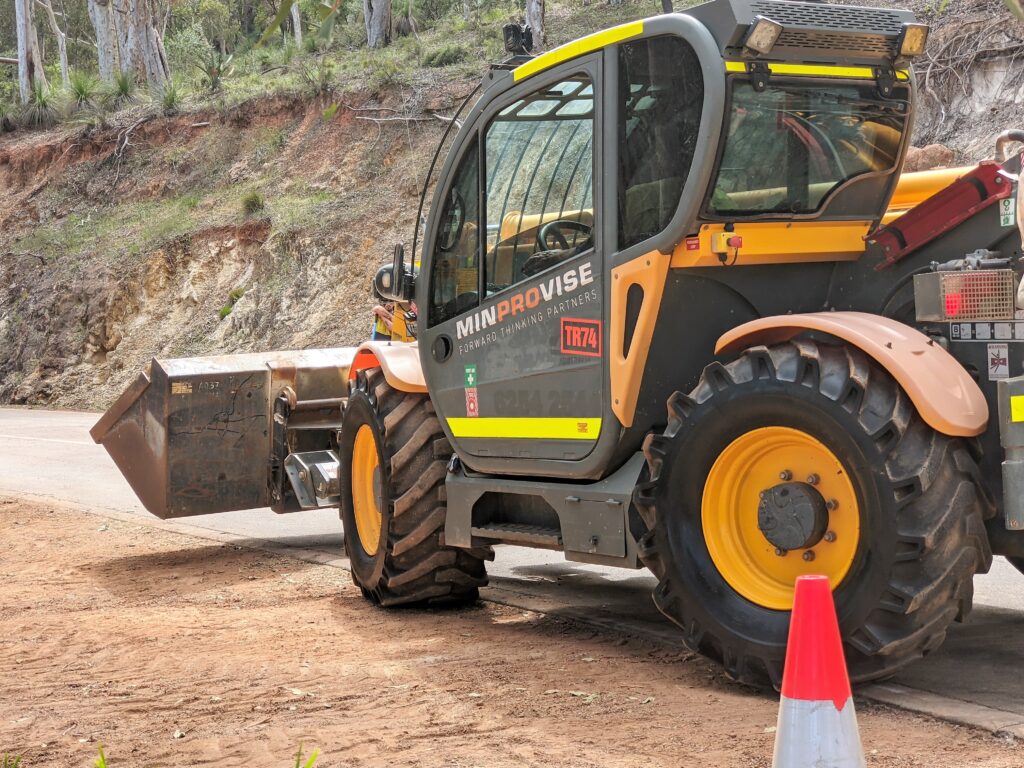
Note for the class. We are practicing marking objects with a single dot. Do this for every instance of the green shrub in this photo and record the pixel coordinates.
(384, 73)
(120, 92)
(330, 112)
(215, 67)
(445, 55)
(171, 98)
(84, 88)
(252, 203)
(11, 761)
(318, 75)
(309, 763)
(41, 111)
(186, 46)
(101, 761)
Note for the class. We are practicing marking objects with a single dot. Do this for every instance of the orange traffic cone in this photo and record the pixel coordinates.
(817, 725)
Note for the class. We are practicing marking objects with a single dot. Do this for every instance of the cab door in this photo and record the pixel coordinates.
(514, 344)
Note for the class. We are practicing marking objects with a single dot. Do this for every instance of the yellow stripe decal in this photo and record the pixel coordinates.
(576, 48)
(526, 427)
(815, 70)
(1017, 408)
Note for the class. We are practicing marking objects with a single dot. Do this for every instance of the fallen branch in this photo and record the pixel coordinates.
(7, 60)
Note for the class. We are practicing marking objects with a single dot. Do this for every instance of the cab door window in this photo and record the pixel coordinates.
(661, 95)
(455, 273)
(539, 165)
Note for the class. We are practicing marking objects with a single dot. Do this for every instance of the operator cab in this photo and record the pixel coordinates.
(582, 174)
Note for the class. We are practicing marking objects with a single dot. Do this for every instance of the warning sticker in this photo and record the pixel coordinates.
(472, 403)
(1008, 209)
(693, 243)
(181, 387)
(986, 331)
(471, 376)
(998, 361)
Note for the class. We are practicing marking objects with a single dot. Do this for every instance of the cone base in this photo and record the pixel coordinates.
(815, 734)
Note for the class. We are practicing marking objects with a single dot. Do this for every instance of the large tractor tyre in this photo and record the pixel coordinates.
(394, 459)
(807, 458)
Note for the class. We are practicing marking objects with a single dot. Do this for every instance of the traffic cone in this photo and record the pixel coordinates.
(817, 724)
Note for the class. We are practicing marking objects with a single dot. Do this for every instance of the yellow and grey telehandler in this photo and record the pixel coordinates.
(677, 308)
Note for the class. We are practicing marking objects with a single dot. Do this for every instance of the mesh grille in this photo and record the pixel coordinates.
(826, 41)
(835, 17)
(986, 294)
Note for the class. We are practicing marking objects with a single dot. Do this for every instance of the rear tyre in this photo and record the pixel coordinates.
(394, 459)
(892, 510)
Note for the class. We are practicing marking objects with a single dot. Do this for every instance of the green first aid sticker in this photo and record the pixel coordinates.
(470, 375)
(1008, 209)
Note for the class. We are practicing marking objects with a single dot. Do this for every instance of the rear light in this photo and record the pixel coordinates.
(984, 294)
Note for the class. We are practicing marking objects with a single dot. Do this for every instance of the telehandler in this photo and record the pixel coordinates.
(677, 308)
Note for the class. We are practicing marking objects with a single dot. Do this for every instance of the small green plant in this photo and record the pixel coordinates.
(101, 761)
(233, 298)
(41, 111)
(317, 76)
(121, 91)
(84, 88)
(309, 763)
(171, 98)
(445, 55)
(12, 761)
(252, 203)
(330, 112)
(384, 73)
(214, 67)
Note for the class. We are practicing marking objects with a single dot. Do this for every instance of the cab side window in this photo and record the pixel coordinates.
(661, 95)
(456, 264)
(539, 163)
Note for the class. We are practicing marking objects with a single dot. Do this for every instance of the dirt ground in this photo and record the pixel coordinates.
(175, 651)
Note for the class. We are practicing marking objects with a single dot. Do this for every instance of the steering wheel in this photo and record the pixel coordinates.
(556, 229)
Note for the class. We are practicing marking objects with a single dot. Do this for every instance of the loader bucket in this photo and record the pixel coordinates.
(192, 435)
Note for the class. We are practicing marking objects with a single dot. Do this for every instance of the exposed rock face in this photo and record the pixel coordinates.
(107, 260)
(928, 158)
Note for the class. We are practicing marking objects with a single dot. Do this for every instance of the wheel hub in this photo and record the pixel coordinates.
(792, 516)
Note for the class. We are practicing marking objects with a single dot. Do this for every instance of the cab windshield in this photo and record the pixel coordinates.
(788, 147)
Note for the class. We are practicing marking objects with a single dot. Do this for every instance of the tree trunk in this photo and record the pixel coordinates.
(30, 61)
(378, 22)
(465, 10)
(666, 6)
(101, 15)
(535, 21)
(139, 41)
(297, 24)
(62, 39)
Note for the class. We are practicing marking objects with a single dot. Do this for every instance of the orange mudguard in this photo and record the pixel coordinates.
(945, 395)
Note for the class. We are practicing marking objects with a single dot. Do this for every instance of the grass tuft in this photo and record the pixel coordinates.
(84, 88)
(252, 203)
(445, 56)
(41, 111)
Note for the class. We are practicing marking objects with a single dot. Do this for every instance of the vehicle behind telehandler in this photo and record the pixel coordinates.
(676, 308)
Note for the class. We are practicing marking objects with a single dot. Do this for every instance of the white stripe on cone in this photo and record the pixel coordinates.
(814, 734)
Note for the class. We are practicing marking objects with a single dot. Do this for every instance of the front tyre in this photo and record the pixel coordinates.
(393, 464)
(798, 459)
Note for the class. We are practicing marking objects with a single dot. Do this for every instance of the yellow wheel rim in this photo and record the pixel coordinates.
(757, 461)
(366, 489)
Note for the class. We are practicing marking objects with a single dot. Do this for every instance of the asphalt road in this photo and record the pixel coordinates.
(976, 677)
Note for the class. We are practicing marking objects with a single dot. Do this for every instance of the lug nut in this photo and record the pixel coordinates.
(780, 552)
(812, 480)
(785, 475)
(831, 504)
(809, 555)
(830, 536)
